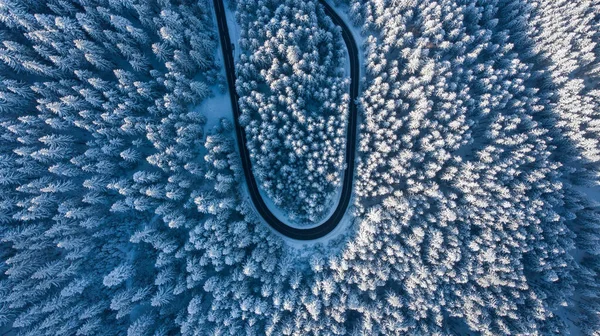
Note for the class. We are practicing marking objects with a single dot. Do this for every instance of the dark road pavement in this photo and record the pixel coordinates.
(346, 193)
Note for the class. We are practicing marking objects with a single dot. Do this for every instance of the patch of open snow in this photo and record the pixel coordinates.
(593, 193)
(215, 108)
(218, 106)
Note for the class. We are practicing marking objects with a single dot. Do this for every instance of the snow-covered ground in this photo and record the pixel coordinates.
(592, 192)
(277, 212)
(234, 30)
(219, 105)
(342, 11)
(339, 230)
(215, 108)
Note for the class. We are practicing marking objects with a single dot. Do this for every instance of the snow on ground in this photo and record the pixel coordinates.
(342, 11)
(592, 192)
(306, 246)
(277, 212)
(218, 106)
(234, 30)
(215, 108)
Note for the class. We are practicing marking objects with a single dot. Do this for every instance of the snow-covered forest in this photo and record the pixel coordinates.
(476, 208)
(294, 97)
(480, 131)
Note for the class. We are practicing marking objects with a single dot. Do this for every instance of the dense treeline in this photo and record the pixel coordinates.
(476, 127)
(98, 148)
(294, 100)
(566, 34)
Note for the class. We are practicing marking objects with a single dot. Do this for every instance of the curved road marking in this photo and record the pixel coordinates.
(286, 230)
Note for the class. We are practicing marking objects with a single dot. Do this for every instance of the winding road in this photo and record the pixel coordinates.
(346, 194)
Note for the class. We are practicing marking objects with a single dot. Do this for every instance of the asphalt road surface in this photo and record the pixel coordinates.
(331, 222)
